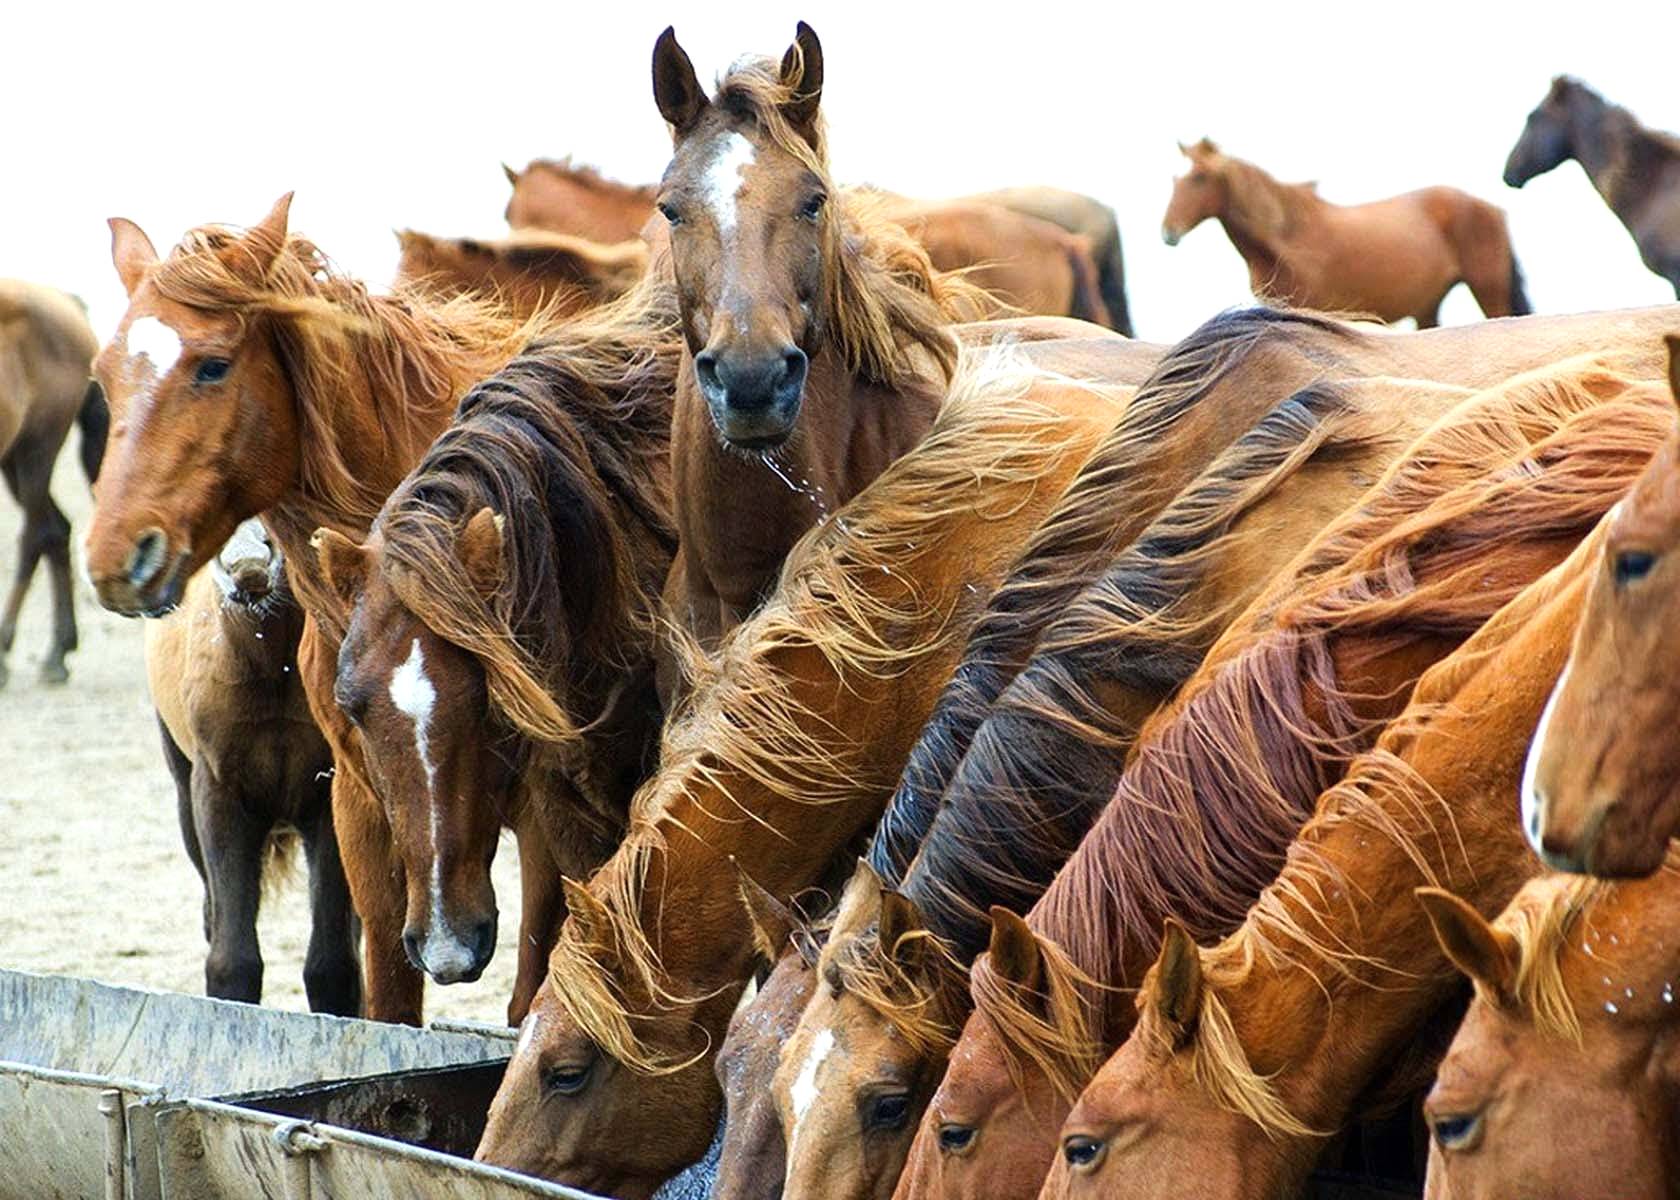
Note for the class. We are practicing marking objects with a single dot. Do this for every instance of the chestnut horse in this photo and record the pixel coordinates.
(1222, 779)
(1636, 169)
(1247, 1056)
(1092, 220)
(1600, 793)
(560, 196)
(858, 1071)
(785, 752)
(1562, 1079)
(498, 659)
(248, 377)
(46, 349)
(530, 272)
(251, 768)
(1391, 259)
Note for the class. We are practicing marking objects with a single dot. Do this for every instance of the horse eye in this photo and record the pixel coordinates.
(812, 208)
(1632, 565)
(211, 370)
(1456, 1132)
(566, 1081)
(956, 1139)
(1082, 1152)
(670, 213)
(889, 1112)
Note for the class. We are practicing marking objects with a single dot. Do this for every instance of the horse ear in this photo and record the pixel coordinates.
(802, 73)
(344, 564)
(594, 924)
(676, 88)
(480, 547)
(1673, 343)
(1487, 955)
(267, 237)
(1174, 989)
(1014, 951)
(860, 903)
(899, 916)
(512, 175)
(1207, 146)
(772, 921)
(131, 252)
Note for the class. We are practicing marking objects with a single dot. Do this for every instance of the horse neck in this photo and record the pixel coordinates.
(1249, 192)
(1605, 139)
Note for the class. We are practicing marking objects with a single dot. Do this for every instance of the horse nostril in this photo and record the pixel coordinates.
(146, 561)
(794, 366)
(411, 947)
(484, 941)
(706, 371)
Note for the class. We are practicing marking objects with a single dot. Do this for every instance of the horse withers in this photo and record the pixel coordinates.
(252, 771)
(46, 350)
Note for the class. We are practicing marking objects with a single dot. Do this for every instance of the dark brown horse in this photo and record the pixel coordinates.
(1222, 779)
(46, 351)
(1636, 169)
(251, 768)
(498, 659)
(818, 335)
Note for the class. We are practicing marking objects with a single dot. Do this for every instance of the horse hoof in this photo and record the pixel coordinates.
(54, 673)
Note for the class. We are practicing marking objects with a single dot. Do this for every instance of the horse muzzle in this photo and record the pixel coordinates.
(754, 401)
(446, 956)
(150, 581)
(1170, 236)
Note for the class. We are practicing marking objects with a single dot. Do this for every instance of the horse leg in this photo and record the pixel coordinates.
(542, 909)
(233, 841)
(331, 976)
(180, 770)
(1430, 318)
(25, 567)
(57, 550)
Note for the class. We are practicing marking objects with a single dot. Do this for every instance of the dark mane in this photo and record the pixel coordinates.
(1079, 538)
(1219, 785)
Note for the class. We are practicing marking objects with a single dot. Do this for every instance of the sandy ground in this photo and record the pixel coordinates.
(93, 879)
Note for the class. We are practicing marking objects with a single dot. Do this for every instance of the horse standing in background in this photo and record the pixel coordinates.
(46, 352)
(1636, 169)
(530, 272)
(251, 768)
(1391, 259)
(1089, 218)
(563, 197)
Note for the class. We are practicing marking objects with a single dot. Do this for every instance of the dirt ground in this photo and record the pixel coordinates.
(93, 879)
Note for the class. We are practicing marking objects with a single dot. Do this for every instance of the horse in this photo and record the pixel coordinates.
(501, 628)
(46, 350)
(1027, 264)
(1089, 218)
(1391, 259)
(818, 347)
(561, 196)
(1635, 168)
(1221, 779)
(530, 272)
(858, 1070)
(322, 397)
(1561, 1078)
(251, 768)
(784, 751)
(1599, 794)
(1249, 1055)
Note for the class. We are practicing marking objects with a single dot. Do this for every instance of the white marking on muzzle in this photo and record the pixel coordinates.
(1532, 803)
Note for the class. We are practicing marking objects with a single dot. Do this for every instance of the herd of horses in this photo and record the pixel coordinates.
(953, 749)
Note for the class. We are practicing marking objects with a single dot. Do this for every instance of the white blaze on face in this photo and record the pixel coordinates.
(1531, 801)
(804, 1091)
(149, 339)
(721, 185)
(414, 696)
(527, 1035)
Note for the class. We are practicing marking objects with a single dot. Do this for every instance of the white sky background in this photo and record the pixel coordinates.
(175, 114)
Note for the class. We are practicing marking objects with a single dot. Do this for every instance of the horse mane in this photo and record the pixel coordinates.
(1265, 205)
(409, 354)
(570, 442)
(591, 177)
(888, 308)
(1079, 538)
(1219, 785)
(849, 592)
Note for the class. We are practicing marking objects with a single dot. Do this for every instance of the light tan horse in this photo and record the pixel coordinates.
(530, 272)
(1391, 258)
(565, 197)
(46, 352)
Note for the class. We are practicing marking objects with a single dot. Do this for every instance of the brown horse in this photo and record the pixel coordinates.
(560, 196)
(1248, 1055)
(498, 660)
(1221, 780)
(1391, 259)
(1028, 264)
(46, 349)
(530, 272)
(250, 767)
(859, 1069)
(1636, 169)
(1562, 1080)
(324, 397)
(786, 751)
(1600, 792)
(1092, 220)
(818, 337)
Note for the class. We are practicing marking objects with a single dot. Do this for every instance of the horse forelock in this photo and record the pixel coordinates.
(922, 999)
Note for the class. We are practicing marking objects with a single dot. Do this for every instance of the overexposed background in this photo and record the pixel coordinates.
(382, 116)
